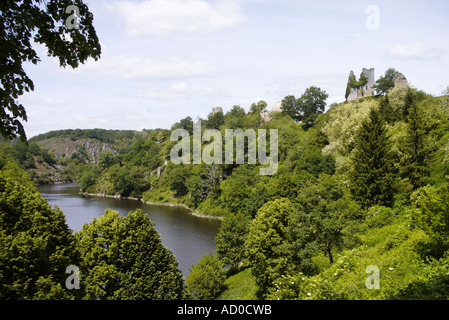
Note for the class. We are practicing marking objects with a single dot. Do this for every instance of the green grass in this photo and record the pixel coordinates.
(392, 248)
(240, 286)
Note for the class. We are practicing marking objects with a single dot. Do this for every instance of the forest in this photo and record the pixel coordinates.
(360, 186)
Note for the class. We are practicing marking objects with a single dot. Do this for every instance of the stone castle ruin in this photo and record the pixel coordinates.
(364, 87)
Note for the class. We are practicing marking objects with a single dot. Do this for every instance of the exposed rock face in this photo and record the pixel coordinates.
(400, 80)
(217, 110)
(87, 149)
(266, 114)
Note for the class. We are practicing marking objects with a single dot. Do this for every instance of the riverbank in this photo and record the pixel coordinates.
(190, 210)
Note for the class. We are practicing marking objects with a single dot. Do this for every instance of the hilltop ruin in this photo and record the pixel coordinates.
(364, 87)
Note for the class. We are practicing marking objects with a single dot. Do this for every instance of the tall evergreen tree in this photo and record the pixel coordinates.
(416, 148)
(371, 179)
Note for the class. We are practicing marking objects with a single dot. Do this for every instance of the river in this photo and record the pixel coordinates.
(187, 236)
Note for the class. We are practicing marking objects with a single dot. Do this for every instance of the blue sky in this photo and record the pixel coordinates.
(163, 60)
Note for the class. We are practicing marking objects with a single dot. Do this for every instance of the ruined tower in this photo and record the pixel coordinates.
(362, 87)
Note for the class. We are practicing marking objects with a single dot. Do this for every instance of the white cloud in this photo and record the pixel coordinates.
(162, 17)
(413, 51)
(135, 67)
(176, 91)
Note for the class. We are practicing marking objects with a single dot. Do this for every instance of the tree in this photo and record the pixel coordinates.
(131, 181)
(230, 240)
(234, 118)
(27, 21)
(314, 162)
(327, 212)
(177, 180)
(311, 103)
(371, 177)
(258, 107)
(236, 189)
(432, 216)
(386, 110)
(416, 147)
(290, 107)
(106, 159)
(266, 242)
(36, 245)
(386, 82)
(123, 258)
(206, 278)
(215, 120)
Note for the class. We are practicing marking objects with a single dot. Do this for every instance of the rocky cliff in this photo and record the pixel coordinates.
(85, 149)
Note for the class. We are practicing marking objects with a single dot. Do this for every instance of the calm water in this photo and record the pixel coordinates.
(188, 237)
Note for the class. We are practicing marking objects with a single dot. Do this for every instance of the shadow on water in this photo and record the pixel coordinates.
(188, 237)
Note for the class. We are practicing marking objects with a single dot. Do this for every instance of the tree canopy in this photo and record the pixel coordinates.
(24, 22)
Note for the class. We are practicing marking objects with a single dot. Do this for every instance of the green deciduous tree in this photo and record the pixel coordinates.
(206, 278)
(177, 180)
(327, 213)
(386, 82)
(123, 258)
(235, 118)
(215, 120)
(371, 176)
(36, 245)
(106, 159)
(432, 216)
(230, 240)
(266, 243)
(42, 22)
(290, 107)
(311, 103)
(258, 107)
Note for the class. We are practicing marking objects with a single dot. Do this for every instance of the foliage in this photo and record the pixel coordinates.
(258, 107)
(122, 257)
(237, 188)
(268, 233)
(311, 103)
(354, 84)
(307, 107)
(432, 216)
(240, 286)
(299, 232)
(177, 180)
(416, 147)
(432, 285)
(340, 127)
(206, 278)
(327, 212)
(36, 244)
(386, 82)
(215, 120)
(230, 240)
(371, 179)
(29, 21)
(290, 107)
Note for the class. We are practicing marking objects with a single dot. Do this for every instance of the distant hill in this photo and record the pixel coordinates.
(85, 149)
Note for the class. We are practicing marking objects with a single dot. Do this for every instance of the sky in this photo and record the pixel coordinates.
(164, 60)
